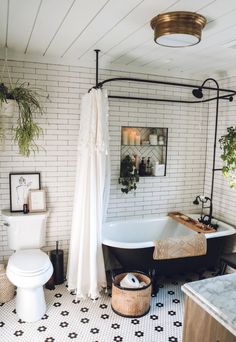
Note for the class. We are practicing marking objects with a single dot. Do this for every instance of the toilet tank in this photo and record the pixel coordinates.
(25, 230)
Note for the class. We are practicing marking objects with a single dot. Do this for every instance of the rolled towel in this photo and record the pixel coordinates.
(181, 247)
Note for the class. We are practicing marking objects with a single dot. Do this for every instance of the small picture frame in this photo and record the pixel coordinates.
(19, 184)
(37, 201)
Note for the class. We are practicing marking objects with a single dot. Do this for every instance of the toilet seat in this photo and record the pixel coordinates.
(29, 262)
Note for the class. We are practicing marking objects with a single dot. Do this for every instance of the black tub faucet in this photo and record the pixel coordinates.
(206, 204)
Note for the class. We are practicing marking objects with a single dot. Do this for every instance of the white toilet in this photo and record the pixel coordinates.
(28, 268)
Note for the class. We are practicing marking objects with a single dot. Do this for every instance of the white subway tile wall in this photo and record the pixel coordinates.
(187, 124)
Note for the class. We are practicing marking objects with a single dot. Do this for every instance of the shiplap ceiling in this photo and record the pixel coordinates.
(67, 32)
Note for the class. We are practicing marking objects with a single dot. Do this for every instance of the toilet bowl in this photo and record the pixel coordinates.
(29, 270)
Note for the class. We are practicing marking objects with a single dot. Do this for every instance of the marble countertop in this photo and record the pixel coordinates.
(217, 296)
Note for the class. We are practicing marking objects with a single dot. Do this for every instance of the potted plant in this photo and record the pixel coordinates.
(8, 104)
(26, 131)
(228, 146)
(128, 175)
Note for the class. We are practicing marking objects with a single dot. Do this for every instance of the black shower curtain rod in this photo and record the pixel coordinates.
(98, 85)
(197, 93)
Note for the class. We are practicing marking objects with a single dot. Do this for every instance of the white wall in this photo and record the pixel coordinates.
(56, 162)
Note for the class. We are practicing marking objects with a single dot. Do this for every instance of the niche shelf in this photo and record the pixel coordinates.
(146, 142)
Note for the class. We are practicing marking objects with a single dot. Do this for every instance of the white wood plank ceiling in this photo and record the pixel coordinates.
(67, 32)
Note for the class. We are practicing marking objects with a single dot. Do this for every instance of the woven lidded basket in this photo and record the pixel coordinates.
(7, 289)
(130, 302)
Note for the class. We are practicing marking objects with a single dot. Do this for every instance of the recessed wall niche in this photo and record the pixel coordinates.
(147, 146)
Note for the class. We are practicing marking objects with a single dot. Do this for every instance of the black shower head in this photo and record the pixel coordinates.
(197, 93)
(196, 201)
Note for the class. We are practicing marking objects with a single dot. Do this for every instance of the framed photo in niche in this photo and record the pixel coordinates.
(37, 201)
(20, 183)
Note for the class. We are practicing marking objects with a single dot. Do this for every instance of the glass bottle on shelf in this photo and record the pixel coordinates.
(142, 168)
(149, 167)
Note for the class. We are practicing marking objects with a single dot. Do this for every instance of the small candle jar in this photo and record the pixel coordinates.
(137, 139)
(161, 140)
(153, 139)
(125, 136)
(131, 138)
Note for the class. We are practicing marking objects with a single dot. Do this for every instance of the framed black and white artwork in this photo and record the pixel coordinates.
(37, 201)
(20, 184)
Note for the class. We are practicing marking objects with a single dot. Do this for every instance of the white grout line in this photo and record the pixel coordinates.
(32, 30)
(59, 27)
(84, 29)
(116, 24)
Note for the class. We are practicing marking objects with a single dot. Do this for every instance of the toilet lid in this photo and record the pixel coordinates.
(29, 262)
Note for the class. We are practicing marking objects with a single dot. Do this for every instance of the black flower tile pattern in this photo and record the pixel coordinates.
(58, 295)
(171, 313)
(171, 293)
(159, 328)
(18, 333)
(45, 316)
(57, 304)
(172, 339)
(139, 333)
(94, 330)
(177, 324)
(64, 324)
(104, 316)
(72, 335)
(86, 320)
(49, 339)
(20, 321)
(176, 301)
(42, 328)
(160, 305)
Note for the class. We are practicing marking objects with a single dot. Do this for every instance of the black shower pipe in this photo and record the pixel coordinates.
(214, 146)
(131, 79)
(228, 97)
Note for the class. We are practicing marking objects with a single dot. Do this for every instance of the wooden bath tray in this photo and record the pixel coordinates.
(191, 223)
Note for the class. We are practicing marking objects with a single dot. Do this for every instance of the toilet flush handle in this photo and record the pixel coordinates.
(6, 224)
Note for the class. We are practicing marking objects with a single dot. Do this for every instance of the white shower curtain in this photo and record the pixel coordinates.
(86, 271)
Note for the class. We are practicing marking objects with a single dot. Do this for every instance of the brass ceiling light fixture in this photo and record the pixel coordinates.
(178, 29)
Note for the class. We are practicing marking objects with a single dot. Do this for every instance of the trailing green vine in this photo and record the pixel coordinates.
(228, 146)
(128, 175)
(26, 131)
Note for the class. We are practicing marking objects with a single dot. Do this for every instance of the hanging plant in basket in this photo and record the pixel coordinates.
(228, 146)
(128, 175)
(26, 131)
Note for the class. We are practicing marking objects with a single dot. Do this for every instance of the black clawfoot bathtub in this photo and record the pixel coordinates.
(130, 244)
